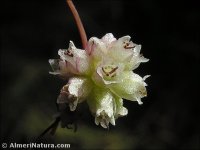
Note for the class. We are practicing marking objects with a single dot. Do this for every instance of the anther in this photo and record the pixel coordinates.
(68, 53)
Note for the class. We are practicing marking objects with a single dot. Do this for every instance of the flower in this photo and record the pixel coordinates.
(102, 76)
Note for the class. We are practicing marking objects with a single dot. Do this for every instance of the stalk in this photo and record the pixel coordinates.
(78, 23)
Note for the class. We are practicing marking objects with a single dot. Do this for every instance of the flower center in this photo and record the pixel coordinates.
(110, 71)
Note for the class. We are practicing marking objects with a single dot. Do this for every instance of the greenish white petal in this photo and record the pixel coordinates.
(120, 110)
(132, 87)
(101, 104)
(121, 49)
(135, 59)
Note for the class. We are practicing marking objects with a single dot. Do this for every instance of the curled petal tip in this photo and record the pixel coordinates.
(145, 77)
(140, 102)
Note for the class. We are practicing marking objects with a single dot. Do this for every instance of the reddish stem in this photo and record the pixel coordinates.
(78, 23)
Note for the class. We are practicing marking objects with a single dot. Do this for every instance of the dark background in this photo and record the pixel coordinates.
(33, 31)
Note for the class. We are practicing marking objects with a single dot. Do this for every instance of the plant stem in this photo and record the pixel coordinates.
(78, 23)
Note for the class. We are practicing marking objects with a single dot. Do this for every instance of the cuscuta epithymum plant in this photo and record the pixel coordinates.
(100, 74)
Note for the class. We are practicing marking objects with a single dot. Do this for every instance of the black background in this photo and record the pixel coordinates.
(33, 31)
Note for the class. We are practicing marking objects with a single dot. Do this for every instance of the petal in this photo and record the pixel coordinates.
(132, 87)
(101, 104)
(122, 111)
(108, 39)
(112, 120)
(97, 48)
(121, 49)
(79, 87)
(102, 99)
(135, 62)
(76, 91)
(146, 76)
(104, 120)
(66, 97)
(136, 59)
(76, 57)
(59, 67)
(119, 109)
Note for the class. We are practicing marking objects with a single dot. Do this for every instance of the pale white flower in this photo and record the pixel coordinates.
(102, 75)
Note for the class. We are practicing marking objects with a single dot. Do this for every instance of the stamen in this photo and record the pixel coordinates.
(110, 73)
(128, 47)
(69, 53)
(113, 70)
(107, 74)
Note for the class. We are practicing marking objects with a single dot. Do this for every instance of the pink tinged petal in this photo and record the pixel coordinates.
(66, 55)
(59, 67)
(55, 66)
(108, 39)
(81, 58)
(71, 68)
(76, 57)
(82, 62)
(97, 47)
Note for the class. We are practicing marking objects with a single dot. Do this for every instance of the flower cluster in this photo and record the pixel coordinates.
(101, 75)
